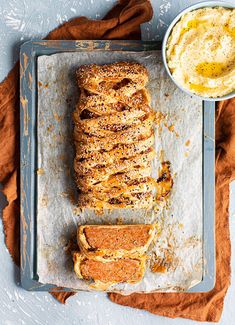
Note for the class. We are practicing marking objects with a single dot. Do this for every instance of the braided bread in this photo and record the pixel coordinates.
(113, 136)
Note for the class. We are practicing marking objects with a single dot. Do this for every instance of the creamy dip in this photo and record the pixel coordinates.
(201, 51)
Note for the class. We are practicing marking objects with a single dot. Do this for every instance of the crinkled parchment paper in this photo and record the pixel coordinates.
(179, 248)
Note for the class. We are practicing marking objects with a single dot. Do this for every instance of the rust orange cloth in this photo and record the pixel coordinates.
(123, 22)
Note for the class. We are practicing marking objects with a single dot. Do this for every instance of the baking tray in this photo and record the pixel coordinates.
(28, 158)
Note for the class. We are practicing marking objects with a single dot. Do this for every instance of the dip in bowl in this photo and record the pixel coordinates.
(199, 51)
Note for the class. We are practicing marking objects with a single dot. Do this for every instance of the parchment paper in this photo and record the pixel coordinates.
(178, 139)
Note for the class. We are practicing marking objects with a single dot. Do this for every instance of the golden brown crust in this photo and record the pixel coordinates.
(86, 143)
(113, 134)
(120, 151)
(100, 104)
(115, 240)
(87, 178)
(103, 79)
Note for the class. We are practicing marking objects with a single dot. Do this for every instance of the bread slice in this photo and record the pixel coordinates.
(106, 272)
(115, 240)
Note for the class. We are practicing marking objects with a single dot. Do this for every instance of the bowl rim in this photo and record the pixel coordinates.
(195, 6)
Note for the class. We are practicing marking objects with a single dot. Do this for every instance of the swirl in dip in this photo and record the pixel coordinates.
(201, 51)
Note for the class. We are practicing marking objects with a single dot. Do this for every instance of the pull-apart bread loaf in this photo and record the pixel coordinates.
(112, 254)
(113, 137)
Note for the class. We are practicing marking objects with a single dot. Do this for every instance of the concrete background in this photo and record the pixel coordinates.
(21, 20)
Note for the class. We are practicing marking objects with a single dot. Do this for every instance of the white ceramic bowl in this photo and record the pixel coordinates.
(168, 32)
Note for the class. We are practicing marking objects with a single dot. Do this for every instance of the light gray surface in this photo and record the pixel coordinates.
(19, 21)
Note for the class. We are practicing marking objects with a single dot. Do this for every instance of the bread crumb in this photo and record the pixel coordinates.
(119, 221)
(50, 128)
(187, 143)
(44, 201)
(171, 127)
(159, 117)
(181, 226)
(156, 268)
(58, 117)
(40, 171)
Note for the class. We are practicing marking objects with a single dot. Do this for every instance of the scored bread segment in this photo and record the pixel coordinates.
(115, 240)
(109, 271)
